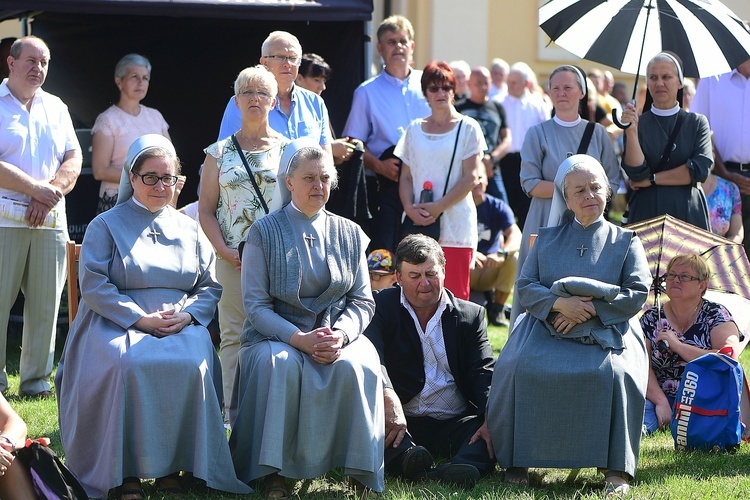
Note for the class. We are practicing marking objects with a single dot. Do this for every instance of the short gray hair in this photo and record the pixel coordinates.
(525, 71)
(130, 61)
(316, 153)
(255, 74)
(500, 63)
(461, 66)
(280, 35)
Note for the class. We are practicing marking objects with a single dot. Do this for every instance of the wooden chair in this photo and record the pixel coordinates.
(73, 252)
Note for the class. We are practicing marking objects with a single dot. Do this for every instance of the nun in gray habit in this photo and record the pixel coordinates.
(568, 390)
(139, 382)
(308, 388)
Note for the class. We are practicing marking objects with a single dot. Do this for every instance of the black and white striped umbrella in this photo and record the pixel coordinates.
(626, 34)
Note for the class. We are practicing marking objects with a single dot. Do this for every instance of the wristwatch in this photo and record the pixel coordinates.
(653, 179)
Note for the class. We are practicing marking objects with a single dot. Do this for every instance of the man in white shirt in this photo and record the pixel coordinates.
(725, 101)
(499, 70)
(523, 110)
(40, 160)
(437, 365)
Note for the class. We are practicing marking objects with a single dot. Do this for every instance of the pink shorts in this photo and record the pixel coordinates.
(458, 270)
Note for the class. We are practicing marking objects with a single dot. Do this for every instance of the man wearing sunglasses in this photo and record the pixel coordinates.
(297, 112)
(382, 109)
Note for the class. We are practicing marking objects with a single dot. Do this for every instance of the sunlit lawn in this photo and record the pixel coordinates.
(662, 473)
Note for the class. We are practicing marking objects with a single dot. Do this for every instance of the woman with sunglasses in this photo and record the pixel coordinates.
(427, 149)
(686, 327)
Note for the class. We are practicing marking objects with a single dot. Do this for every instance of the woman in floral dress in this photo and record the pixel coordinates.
(229, 203)
(687, 327)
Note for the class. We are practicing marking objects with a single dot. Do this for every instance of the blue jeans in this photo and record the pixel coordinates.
(650, 422)
(496, 187)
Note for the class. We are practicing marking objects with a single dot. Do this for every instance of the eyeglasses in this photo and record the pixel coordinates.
(152, 179)
(682, 277)
(293, 60)
(255, 93)
(434, 88)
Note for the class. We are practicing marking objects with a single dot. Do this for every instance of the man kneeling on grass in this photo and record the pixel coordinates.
(437, 363)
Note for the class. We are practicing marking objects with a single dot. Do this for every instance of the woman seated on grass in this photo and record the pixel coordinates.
(686, 327)
(15, 481)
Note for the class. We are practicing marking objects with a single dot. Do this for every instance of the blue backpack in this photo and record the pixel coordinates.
(706, 413)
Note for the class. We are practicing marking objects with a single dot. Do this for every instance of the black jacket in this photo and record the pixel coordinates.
(470, 357)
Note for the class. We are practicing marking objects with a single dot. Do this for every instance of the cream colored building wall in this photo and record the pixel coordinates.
(10, 28)
(480, 30)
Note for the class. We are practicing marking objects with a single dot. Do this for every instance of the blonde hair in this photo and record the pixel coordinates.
(696, 263)
(256, 74)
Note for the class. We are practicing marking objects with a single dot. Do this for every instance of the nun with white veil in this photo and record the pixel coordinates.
(139, 382)
(308, 391)
(568, 390)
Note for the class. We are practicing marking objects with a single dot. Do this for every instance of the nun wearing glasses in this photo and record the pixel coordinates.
(308, 391)
(139, 382)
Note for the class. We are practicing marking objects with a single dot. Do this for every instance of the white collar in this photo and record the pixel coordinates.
(580, 224)
(666, 112)
(563, 123)
(143, 206)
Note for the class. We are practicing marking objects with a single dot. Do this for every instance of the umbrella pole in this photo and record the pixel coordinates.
(638, 70)
(643, 47)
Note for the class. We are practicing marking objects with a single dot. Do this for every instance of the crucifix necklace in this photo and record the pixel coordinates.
(581, 249)
(153, 234)
(309, 239)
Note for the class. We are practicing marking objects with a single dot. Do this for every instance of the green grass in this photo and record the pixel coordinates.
(662, 473)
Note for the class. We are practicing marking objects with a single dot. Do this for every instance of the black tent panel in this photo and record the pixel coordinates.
(290, 10)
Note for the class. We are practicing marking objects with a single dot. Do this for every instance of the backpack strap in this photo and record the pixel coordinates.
(679, 407)
(745, 409)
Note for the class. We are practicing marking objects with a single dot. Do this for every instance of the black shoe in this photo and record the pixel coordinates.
(464, 475)
(507, 310)
(415, 462)
(496, 314)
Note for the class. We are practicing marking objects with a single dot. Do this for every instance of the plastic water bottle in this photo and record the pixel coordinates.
(426, 195)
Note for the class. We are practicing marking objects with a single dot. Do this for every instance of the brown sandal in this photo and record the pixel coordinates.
(517, 476)
(275, 487)
(130, 489)
(170, 485)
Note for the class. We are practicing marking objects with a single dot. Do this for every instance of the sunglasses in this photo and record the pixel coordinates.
(434, 88)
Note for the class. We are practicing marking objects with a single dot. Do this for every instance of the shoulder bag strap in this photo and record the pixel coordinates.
(249, 172)
(586, 139)
(665, 155)
(453, 156)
